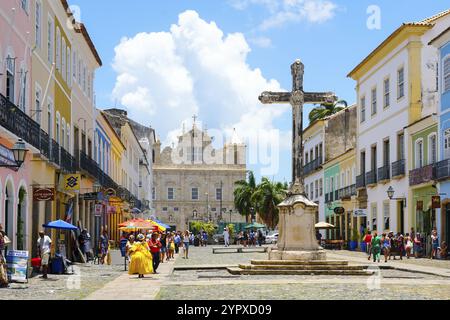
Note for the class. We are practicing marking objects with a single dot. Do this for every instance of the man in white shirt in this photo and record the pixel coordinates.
(226, 237)
(44, 244)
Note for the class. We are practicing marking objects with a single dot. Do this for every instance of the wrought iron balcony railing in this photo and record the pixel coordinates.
(312, 166)
(398, 168)
(347, 192)
(383, 173)
(422, 175)
(443, 169)
(371, 177)
(361, 182)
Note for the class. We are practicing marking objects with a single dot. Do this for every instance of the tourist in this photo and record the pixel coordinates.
(408, 245)
(44, 248)
(318, 237)
(129, 244)
(226, 237)
(85, 244)
(362, 229)
(434, 244)
(104, 245)
(170, 247)
(141, 259)
(191, 238)
(177, 241)
(443, 250)
(245, 238)
(204, 238)
(186, 238)
(155, 248)
(376, 247)
(386, 246)
(368, 241)
(163, 250)
(252, 238)
(260, 237)
(3, 267)
(417, 246)
(400, 244)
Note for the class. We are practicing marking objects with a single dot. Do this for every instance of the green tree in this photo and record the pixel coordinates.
(325, 110)
(243, 195)
(267, 197)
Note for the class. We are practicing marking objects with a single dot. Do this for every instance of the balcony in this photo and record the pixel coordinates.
(383, 174)
(371, 178)
(422, 175)
(92, 168)
(398, 168)
(361, 182)
(312, 166)
(347, 192)
(443, 170)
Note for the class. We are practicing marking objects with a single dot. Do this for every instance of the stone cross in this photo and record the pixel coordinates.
(297, 98)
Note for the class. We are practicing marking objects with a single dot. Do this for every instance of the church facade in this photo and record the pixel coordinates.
(192, 181)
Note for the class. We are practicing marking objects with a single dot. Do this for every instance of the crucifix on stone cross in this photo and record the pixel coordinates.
(297, 98)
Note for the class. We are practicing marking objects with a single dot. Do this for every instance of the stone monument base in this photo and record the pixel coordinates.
(315, 255)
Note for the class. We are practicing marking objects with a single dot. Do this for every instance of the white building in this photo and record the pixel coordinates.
(396, 86)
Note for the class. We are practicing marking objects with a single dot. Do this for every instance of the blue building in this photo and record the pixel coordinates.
(442, 42)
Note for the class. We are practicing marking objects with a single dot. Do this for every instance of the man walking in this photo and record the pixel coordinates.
(177, 241)
(44, 248)
(226, 237)
(155, 248)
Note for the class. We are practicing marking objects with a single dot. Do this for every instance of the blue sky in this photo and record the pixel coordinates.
(329, 48)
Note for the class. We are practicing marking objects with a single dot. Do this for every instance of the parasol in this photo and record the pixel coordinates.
(324, 225)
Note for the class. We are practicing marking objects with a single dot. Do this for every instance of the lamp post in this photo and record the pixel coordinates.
(252, 212)
(19, 151)
(391, 192)
(231, 211)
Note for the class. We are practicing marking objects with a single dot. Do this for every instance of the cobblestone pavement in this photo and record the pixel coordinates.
(87, 278)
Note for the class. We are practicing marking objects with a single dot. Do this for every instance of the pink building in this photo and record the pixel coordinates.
(16, 104)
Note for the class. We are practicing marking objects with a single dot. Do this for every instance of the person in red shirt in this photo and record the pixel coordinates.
(368, 241)
(155, 248)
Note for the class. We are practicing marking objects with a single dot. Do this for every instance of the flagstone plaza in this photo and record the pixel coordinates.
(204, 277)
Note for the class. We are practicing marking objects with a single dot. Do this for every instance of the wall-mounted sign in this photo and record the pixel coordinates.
(435, 202)
(89, 196)
(339, 210)
(110, 192)
(360, 213)
(72, 182)
(98, 210)
(43, 194)
(419, 205)
(6, 156)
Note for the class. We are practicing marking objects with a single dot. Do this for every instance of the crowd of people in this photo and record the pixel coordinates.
(147, 252)
(250, 238)
(408, 245)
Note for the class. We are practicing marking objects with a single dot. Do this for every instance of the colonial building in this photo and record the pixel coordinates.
(442, 42)
(397, 105)
(193, 181)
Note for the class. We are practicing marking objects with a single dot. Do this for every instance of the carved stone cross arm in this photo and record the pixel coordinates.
(320, 97)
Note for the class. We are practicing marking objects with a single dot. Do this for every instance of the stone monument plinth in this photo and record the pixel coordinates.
(296, 239)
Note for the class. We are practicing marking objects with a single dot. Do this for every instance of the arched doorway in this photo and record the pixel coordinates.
(9, 213)
(21, 219)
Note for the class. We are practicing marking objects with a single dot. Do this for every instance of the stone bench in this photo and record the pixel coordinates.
(238, 249)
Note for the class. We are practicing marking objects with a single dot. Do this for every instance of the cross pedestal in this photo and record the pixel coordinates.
(297, 236)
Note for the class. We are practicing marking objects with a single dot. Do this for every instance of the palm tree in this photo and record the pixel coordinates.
(267, 197)
(325, 110)
(243, 194)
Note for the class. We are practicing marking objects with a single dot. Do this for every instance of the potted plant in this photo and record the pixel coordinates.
(354, 240)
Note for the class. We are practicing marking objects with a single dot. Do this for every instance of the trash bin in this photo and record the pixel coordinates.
(57, 265)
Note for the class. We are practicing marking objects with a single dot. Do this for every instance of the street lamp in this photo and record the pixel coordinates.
(231, 211)
(252, 211)
(19, 151)
(391, 192)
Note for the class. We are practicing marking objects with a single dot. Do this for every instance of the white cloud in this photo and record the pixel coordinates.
(290, 11)
(164, 78)
(262, 42)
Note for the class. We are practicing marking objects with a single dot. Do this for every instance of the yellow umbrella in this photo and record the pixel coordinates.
(160, 227)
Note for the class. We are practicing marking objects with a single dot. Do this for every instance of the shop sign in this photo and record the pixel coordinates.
(435, 202)
(72, 182)
(43, 194)
(110, 192)
(98, 210)
(419, 205)
(360, 213)
(17, 265)
(339, 210)
(90, 196)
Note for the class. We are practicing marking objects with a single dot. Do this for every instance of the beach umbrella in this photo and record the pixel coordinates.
(324, 225)
(60, 225)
